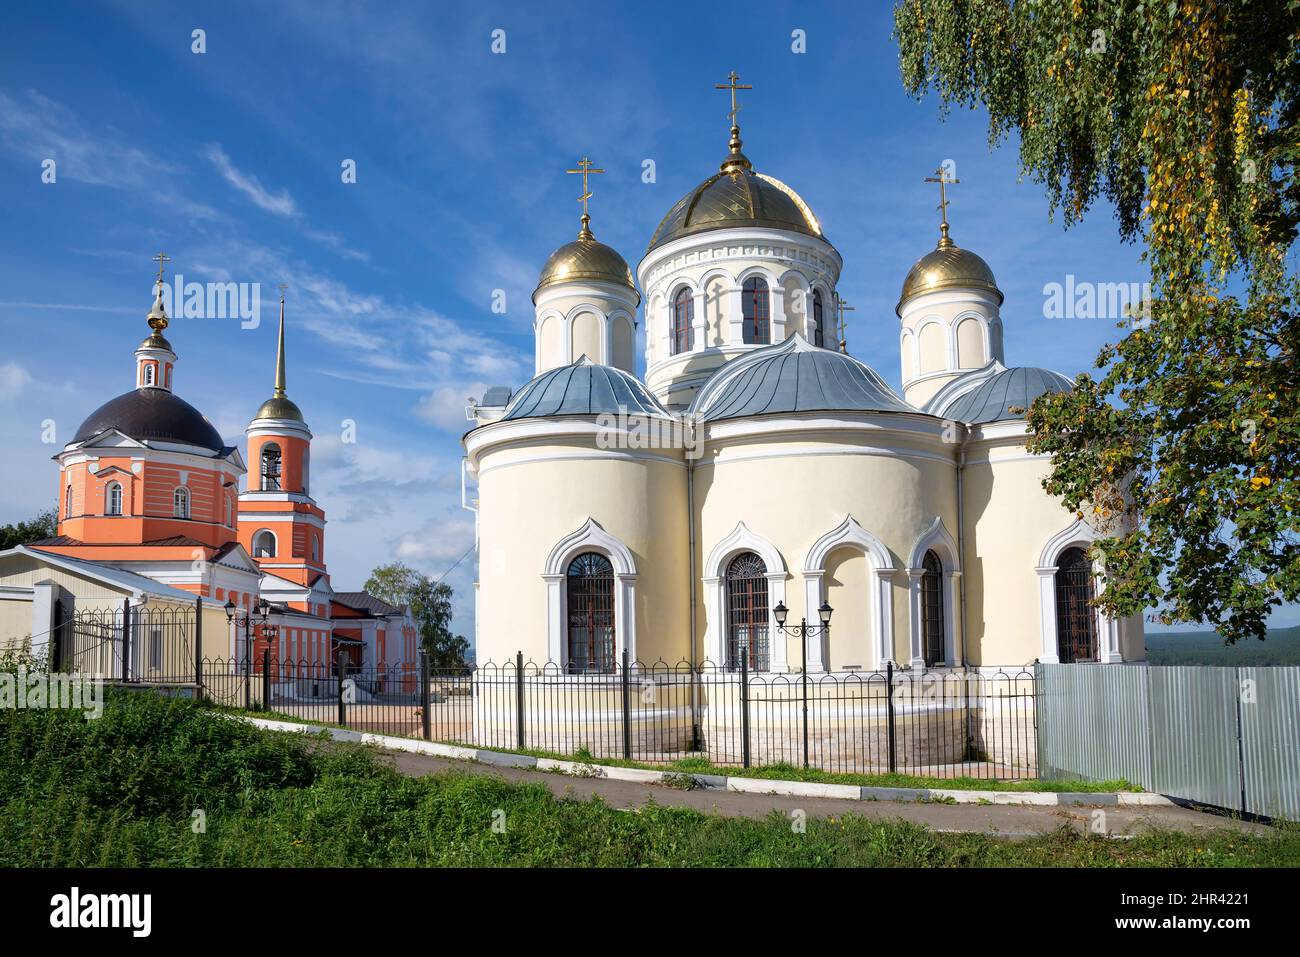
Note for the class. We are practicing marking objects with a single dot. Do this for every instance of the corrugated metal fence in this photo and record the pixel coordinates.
(1229, 737)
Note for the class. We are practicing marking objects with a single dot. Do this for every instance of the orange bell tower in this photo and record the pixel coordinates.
(280, 524)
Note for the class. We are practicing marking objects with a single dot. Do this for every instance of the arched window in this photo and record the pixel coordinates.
(264, 544)
(756, 308)
(229, 516)
(819, 335)
(181, 502)
(113, 499)
(168, 382)
(270, 467)
(747, 612)
(67, 503)
(1076, 627)
(315, 547)
(683, 321)
(148, 373)
(932, 624)
(590, 583)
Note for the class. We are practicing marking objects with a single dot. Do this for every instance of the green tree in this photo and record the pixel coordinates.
(44, 525)
(1183, 115)
(430, 604)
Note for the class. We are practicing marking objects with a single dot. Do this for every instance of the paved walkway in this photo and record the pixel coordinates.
(1000, 820)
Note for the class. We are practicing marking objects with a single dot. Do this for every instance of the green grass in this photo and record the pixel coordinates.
(120, 791)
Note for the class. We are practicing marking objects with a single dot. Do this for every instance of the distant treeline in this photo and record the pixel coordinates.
(1281, 647)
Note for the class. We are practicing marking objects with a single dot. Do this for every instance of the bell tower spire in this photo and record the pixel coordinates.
(279, 352)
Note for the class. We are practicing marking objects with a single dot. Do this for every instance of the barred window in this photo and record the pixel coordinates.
(932, 623)
(590, 584)
(683, 321)
(756, 309)
(747, 614)
(1076, 627)
(819, 336)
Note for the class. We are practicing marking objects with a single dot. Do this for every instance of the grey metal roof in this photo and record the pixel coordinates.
(795, 376)
(496, 395)
(364, 601)
(583, 388)
(1015, 388)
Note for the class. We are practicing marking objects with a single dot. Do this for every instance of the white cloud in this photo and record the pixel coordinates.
(281, 204)
(13, 380)
(444, 407)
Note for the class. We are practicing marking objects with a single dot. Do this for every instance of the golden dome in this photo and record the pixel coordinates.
(279, 407)
(585, 258)
(736, 196)
(947, 266)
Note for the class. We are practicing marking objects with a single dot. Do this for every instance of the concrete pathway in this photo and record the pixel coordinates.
(1000, 820)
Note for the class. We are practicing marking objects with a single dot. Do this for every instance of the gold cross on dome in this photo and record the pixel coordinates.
(161, 259)
(941, 177)
(841, 307)
(733, 86)
(584, 169)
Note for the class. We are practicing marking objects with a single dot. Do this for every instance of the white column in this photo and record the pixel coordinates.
(715, 649)
(776, 638)
(777, 295)
(699, 323)
(812, 599)
(45, 606)
(625, 621)
(1047, 615)
(735, 316)
(554, 619)
(915, 577)
(884, 619)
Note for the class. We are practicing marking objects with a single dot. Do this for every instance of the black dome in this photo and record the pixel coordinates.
(152, 414)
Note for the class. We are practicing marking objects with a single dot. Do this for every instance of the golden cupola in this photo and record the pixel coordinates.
(585, 303)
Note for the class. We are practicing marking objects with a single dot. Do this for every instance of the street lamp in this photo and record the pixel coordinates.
(803, 631)
(247, 618)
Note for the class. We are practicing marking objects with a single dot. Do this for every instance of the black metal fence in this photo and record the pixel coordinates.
(128, 642)
(946, 723)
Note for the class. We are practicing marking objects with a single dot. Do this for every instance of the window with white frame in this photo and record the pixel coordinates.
(181, 502)
(113, 499)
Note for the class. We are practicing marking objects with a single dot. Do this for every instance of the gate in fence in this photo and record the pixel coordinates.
(130, 643)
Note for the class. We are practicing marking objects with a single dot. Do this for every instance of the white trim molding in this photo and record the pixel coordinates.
(1082, 535)
(590, 537)
(740, 540)
(937, 537)
(850, 533)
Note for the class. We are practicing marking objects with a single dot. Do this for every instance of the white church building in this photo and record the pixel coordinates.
(757, 464)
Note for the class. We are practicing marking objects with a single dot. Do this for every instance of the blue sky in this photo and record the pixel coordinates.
(230, 161)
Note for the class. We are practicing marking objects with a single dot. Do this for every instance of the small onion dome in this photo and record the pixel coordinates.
(948, 266)
(583, 388)
(794, 376)
(156, 340)
(1015, 388)
(155, 414)
(585, 258)
(279, 407)
(736, 196)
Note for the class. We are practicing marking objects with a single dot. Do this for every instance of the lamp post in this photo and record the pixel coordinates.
(803, 631)
(247, 618)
